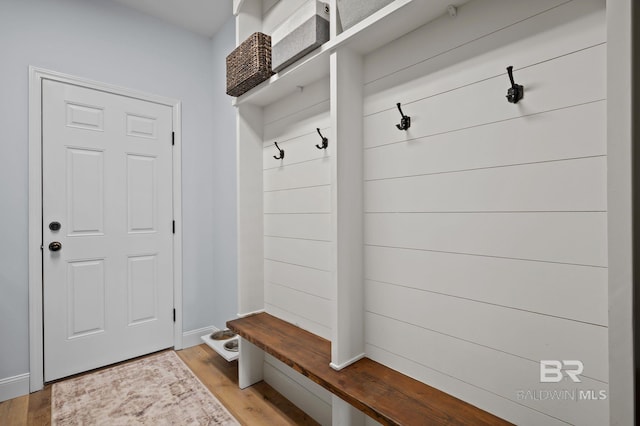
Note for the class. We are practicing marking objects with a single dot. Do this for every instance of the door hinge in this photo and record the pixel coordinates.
(174, 314)
(174, 226)
(173, 138)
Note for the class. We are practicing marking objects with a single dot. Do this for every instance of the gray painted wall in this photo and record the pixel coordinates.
(224, 302)
(104, 41)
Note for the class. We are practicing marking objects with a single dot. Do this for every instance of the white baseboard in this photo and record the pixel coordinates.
(13, 387)
(347, 363)
(248, 314)
(192, 337)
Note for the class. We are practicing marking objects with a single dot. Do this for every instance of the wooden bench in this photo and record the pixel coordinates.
(386, 395)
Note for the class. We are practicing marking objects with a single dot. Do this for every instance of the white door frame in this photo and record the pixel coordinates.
(36, 75)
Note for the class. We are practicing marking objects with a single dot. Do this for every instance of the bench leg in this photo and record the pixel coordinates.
(250, 364)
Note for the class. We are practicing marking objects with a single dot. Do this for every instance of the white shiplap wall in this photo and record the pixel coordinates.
(275, 12)
(485, 223)
(297, 233)
(297, 213)
(305, 394)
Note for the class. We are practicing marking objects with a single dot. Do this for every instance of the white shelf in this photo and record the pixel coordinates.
(392, 21)
(387, 24)
(218, 346)
(311, 68)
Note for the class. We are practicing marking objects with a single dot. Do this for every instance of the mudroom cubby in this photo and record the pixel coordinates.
(452, 250)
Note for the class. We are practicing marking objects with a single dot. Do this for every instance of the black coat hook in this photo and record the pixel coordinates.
(281, 152)
(516, 92)
(325, 141)
(405, 122)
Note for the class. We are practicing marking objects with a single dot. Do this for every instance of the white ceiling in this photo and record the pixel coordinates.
(203, 17)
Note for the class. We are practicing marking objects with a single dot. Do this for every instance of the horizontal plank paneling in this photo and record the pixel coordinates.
(314, 254)
(539, 287)
(306, 200)
(482, 216)
(275, 14)
(298, 122)
(575, 237)
(301, 108)
(477, 45)
(428, 41)
(304, 305)
(297, 221)
(302, 175)
(496, 372)
(571, 185)
(368, 421)
(314, 226)
(509, 410)
(297, 150)
(299, 321)
(308, 280)
(574, 132)
(515, 332)
(552, 85)
(321, 393)
(296, 391)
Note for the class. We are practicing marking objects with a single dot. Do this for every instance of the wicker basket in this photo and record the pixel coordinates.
(249, 64)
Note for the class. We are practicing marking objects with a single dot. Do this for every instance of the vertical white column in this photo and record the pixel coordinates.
(347, 345)
(334, 23)
(620, 138)
(250, 364)
(249, 129)
(250, 234)
(248, 18)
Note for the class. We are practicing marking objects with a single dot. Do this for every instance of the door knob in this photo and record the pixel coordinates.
(55, 246)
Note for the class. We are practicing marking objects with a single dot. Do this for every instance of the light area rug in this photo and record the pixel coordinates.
(156, 390)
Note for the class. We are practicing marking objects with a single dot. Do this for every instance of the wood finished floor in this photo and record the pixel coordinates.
(257, 405)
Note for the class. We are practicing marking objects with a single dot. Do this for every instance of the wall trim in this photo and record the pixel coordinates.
(621, 199)
(347, 363)
(248, 314)
(13, 387)
(192, 337)
(36, 76)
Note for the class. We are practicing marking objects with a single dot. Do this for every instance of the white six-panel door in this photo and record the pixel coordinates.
(107, 180)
